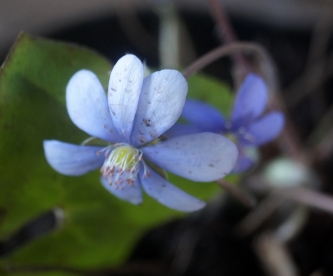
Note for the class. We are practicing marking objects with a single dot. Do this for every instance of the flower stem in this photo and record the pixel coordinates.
(245, 198)
(226, 50)
(228, 36)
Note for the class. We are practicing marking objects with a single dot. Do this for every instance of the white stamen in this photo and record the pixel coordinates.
(88, 140)
(121, 165)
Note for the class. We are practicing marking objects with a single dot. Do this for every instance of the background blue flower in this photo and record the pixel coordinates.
(247, 126)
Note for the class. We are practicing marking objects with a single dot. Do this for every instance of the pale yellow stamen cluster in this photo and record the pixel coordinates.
(121, 165)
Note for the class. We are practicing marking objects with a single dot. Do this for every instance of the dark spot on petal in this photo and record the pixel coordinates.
(142, 139)
(147, 122)
(211, 165)
(153, 134)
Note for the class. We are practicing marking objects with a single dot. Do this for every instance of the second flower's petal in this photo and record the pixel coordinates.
(199, 157)
(205, 116)
(88, 107)
(266, 129)
(131, 193)
(124, 92)
(160, 105)
(181, 129)
(72, 159)
(243, 164)
(167, 194)
(251, 100)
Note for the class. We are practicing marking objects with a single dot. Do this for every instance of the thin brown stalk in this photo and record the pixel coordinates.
(245, 198)
(308, 197)
(226, 50)
(228, 36)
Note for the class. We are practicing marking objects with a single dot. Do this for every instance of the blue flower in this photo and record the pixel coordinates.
(135, 113)
(246, 126)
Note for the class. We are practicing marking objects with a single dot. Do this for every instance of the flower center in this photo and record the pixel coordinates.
(237, 134)
(121, 165)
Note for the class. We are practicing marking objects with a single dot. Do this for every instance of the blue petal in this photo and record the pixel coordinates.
(251, 100)
(199, 157)
(161, 102)
(124, 92)
(266, 129)
(72, 159)
(181, 129)
(204, 116)
(243, 164)
(167, 194)
(131, 193)
(88, 108)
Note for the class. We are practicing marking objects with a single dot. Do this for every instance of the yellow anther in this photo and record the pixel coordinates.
(121, 165)
(125, 157)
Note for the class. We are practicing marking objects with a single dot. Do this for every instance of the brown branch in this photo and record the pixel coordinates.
(227, 35)
(226, 50)
(308, 197)
(245, 198)
(258, 215)
(301, 195)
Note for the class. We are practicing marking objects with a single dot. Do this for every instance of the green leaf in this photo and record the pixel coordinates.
(99, 229)
(212, 91)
